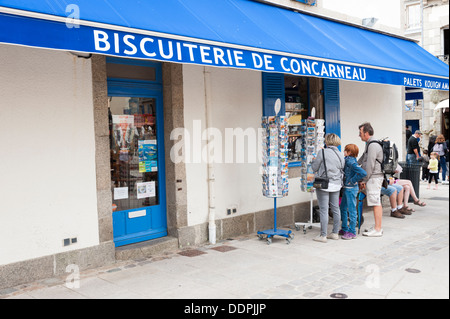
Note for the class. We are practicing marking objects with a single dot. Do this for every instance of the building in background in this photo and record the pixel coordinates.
(427, 21)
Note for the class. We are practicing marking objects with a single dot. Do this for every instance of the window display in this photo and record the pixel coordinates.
(296, 101)
(134, 161)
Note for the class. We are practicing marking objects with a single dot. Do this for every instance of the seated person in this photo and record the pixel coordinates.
(395, 194)
(408, 190)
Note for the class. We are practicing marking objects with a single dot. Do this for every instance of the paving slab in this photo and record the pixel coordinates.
(246, 267)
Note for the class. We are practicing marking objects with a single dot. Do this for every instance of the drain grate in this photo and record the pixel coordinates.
(191, 253)
(224, 248)
(412, 270)
(339, 295)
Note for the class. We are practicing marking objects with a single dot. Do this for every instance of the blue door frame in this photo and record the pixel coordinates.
(151, 221)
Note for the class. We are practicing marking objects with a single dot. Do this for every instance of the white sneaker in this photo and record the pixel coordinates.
(321, 239)
(444, 182)
(333, 236)
(369, 229)
(374, 233)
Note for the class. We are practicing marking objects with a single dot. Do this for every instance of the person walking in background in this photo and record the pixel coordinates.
(434, 170)
(408, 133)
(431, 141)
(446, 182)
(329, 198)
(440, 147)
(413, 148)
(425, 161)
(353, 173)
(370, 162)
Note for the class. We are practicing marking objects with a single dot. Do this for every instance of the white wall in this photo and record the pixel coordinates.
(381, 105)
(47, 161)
(196, 173)
(236, 98)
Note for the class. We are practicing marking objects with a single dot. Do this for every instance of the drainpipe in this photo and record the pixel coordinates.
(211, 174)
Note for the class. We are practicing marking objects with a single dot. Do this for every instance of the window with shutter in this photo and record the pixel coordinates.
(332, 106)
(273, 89)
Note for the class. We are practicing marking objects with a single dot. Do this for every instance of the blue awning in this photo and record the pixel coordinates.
(224, 33)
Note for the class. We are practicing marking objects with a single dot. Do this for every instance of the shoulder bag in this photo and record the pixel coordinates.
(322, 182)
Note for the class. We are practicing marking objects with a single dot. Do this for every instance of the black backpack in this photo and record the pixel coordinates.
(390, 156)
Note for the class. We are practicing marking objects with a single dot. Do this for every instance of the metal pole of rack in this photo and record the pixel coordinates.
(275, 214)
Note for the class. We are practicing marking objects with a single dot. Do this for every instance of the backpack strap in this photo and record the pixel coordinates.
(385, 183)
(367, 149)
(324, 164)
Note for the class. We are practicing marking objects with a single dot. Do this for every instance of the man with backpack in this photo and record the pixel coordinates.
(371, 161)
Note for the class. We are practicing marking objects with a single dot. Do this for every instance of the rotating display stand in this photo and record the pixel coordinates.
(275, 168)
(312, 140)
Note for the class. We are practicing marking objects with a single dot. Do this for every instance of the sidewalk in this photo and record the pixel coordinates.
(411, 260)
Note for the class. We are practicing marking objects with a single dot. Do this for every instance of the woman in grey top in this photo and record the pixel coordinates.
(329, 198)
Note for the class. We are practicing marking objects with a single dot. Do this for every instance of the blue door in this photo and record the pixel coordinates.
(413, 125)
(137, 151)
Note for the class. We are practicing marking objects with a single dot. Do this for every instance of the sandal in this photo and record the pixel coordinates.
(419, 203)
(409, 209)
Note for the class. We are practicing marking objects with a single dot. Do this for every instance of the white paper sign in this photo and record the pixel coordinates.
(137, 213)
(145, 190)
(120, 193)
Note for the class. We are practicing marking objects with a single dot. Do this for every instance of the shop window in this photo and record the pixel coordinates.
(297, 108)
(294, 92)
(133, 148)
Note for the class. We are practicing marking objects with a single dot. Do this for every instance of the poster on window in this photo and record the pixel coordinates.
(120, 193)
(145, 190)
(123, 134)
(148, 159)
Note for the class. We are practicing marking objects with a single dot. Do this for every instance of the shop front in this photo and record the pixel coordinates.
(139, 103)
(136, 127)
